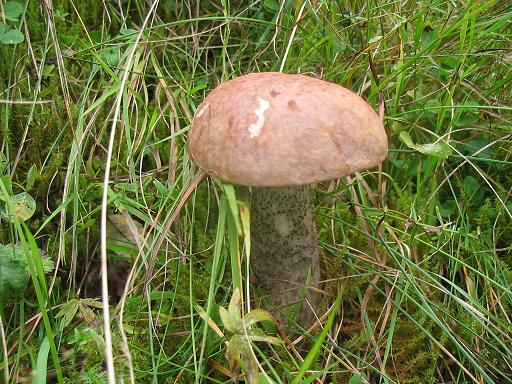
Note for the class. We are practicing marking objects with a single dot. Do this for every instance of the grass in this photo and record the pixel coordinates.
(95, 106)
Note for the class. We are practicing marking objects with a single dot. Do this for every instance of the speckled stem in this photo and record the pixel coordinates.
(284, 248)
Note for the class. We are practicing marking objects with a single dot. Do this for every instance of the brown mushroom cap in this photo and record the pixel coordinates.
(271, 129)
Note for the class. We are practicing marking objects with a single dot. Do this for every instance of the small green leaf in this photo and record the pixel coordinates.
(197, 88)
(133, 329)
(272, 5)
(374, 39)
(233, 354)
(111, 56)
(13, 277)
(428, 36)
(12, 37)
(31, 177)
(93, 303)
(229, 322)
(356, 379)
(3, 28)
(161, 189)
(48, 69)
(87, 313)
(449, 61)
(260, 336)
(171, 5)
(16, 252)
(431, 107)
(68, 312)
(127, 32)
(473, 190)
(339, 46)
(24, 205)
(60, 15)
(255, 316)
(439, 149)
(406, 139)
(42, 363)
(12, 10)
(235, 304)
(477, 146)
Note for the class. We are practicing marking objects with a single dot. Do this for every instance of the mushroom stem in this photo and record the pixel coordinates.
(284, 248)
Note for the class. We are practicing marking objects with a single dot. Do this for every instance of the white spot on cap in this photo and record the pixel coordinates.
(255, 128)
(201, 110)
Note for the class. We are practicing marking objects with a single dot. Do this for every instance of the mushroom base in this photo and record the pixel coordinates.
(284, 250)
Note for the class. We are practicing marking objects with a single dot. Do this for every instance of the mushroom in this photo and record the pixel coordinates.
(279, 133)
